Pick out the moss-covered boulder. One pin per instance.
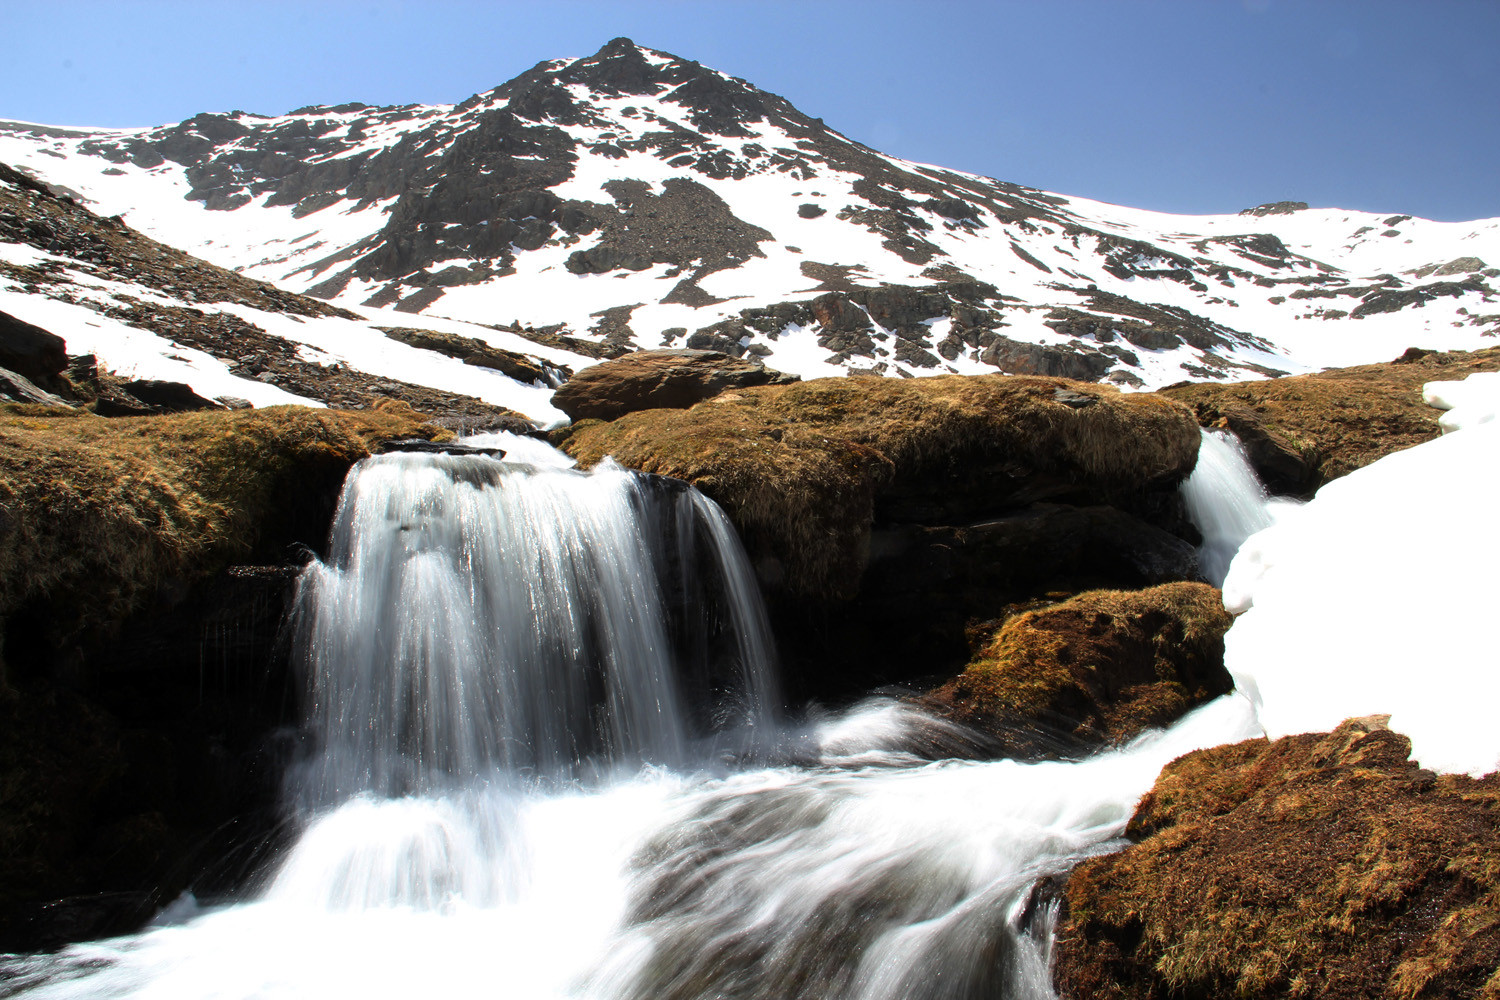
(804, 470)
(142, 675)
(1306, 430)
(97, 515)
(1320, 865)
(1097, 668)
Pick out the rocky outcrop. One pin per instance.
(153, 396)
(29, 351)
(646, 380)
(471, 351)
(1276, 208)
(882, 514)
(803, 468)
(32, 215)
(1096, 669)
(100, 514)
(1320, 865)
(142, 680)
(1304, 431)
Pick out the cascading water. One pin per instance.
(1226, 501)
(542, 772)
(478, 618)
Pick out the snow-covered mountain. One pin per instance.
(635, 199)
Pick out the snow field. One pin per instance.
(1379, 595)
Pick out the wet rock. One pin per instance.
(670, 378)
(424, 447)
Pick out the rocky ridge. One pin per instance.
(159, 310)
(638, 200)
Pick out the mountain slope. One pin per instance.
(145, 311)
(632, 198)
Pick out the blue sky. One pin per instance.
(1178, 105)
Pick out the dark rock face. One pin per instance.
(30, 351)
(1325, 865)
(1019, 358)
(17, 388)
(657, 379)
(686, 225)
(116, 794)
(168, 397)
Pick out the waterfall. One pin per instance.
(548, 763)
(478, 618)
(1225, 500)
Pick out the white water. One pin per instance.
(513, 798)
(1226, 502)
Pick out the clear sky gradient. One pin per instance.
(1181, 105)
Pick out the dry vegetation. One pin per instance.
(1320, 865)
(96, 513)
(1306, 430)
(799, 468)
(1100, 667)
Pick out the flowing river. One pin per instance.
(550, 761)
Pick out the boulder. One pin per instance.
(804, 469)
(31, 352)
(1020, 358)
(658, 379)
(16, 388)
(1303, 431)
(169, 397)
(1096, 669)
(1321, 865)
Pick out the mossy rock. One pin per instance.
(1096, 669)
(801, 468)
(1306, 430)
(1320, 865)
(97, 514)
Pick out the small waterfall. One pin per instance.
(476, 617)
(1225, 500)
(539, 698)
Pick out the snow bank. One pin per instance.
(1378, 596)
